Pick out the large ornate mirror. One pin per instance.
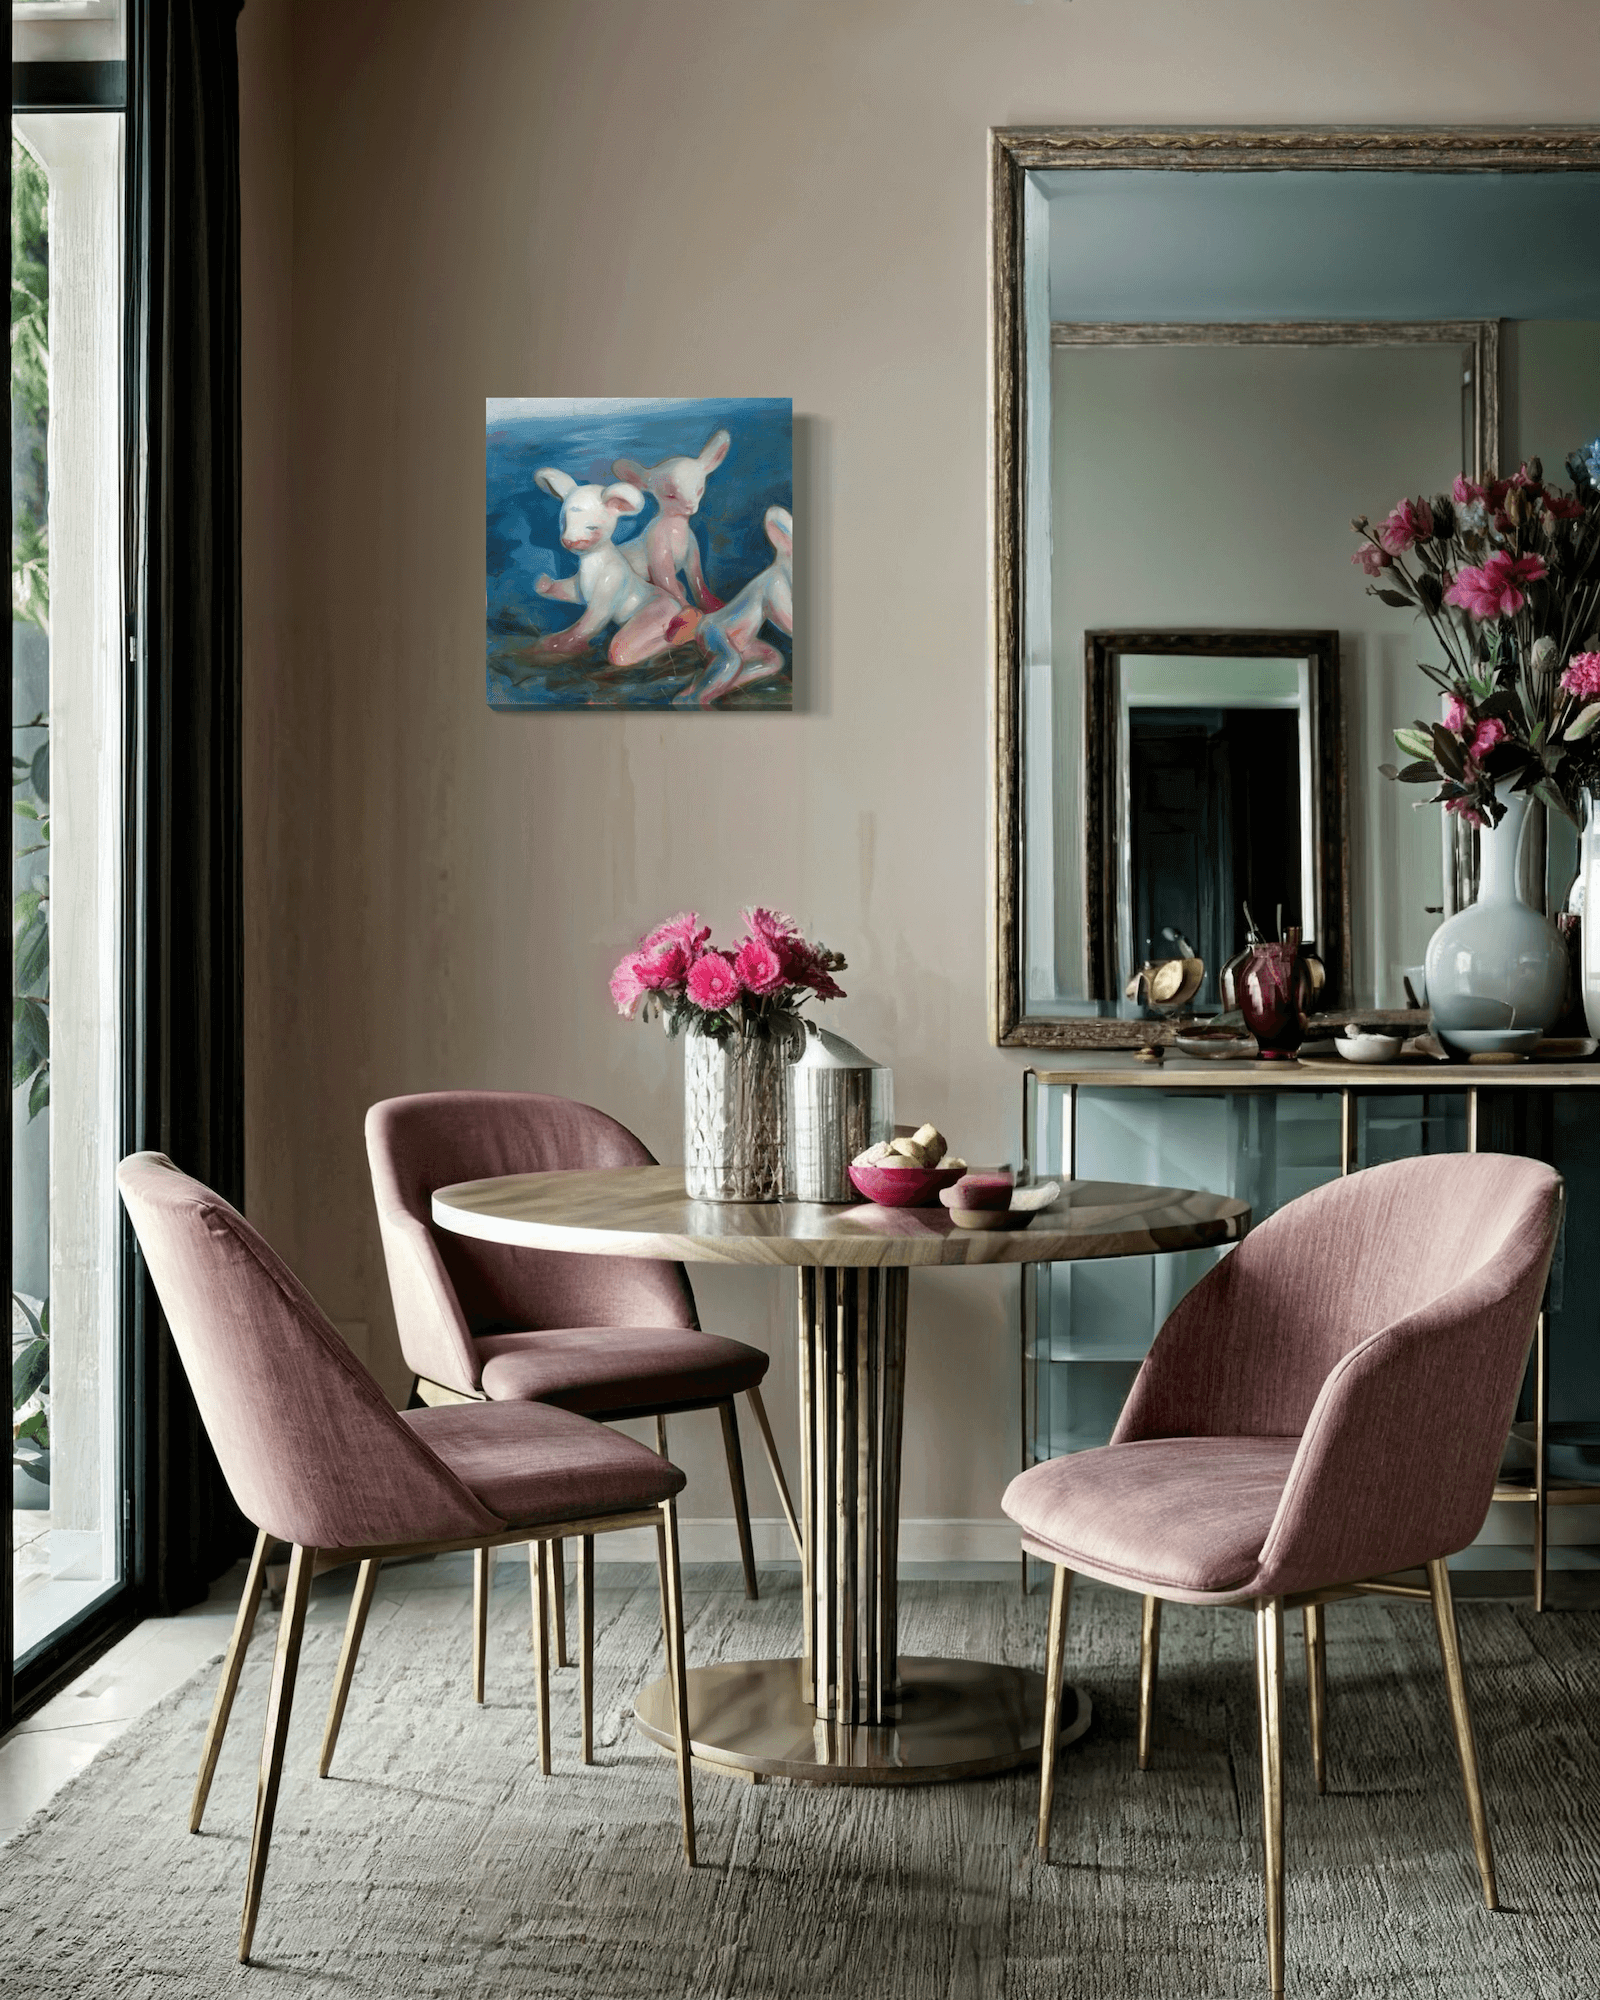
(1211, 351)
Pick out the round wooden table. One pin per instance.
(851, 1709)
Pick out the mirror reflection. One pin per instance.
(1210, 806)
(1216, 371)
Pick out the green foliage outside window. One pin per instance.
(30, 756)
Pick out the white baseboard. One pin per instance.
(715, 1539)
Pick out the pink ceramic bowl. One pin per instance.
(980, 1190)
(903, 1187)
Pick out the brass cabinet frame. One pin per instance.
(1016, 152)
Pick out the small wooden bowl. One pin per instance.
(903, 1187)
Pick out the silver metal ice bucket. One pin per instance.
(840, 1102)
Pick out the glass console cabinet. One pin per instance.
(1267, 1132)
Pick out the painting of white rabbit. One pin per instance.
(639, 552)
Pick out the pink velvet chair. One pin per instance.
(315, 1457)
(610, 1337)
(1328, 1406)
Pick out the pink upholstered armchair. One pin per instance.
(315, 1457)
(1327, 1407)
(611, 1337)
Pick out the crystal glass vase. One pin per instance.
(735, 1119)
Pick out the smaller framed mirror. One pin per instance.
(1215, 780)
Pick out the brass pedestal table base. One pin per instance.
(958, 1719)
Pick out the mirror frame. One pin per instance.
(1330, 834)
(1014, 153)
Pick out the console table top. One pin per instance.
(1121, 1071)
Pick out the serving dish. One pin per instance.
(903, 1187)
(1368, 1048)
(1217, 1048)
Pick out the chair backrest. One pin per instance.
(1385, 1320)
(448, 1288)
(1246, 1352)
(307, 1441)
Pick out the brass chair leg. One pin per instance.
(539, 1575)
(1060, 1600)
(661, 1560)
(1317, 1691)
(1444, 1616)
(243, 1625)
(355, 1625)
(482, 1578)
(558, 1597)
(741, 1499)
(586, 1643)
(1149, 1662)
(296, 1596)
(672, 1640)
(1269, 1688)
(775, 1466)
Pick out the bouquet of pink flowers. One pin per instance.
(1507, 574)
(752, 988)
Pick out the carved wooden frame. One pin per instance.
(1015, 152)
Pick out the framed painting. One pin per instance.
(639, 552)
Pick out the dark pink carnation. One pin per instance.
(658, 969)
(759, 967)
(1372, 560)
(1457, 716)
(1582, 677)
(713, 984)
(1497, 588)
(1464, 809)
(1467, 492)
(627, 988)
(1488, 734)
(805, 966)
(1562, 507)
(1409, 523)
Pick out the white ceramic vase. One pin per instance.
(1497, 966)
(1589, 919)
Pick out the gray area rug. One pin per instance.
(436, 1861)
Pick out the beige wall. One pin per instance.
(717, 197)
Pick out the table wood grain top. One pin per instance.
(644, 1212)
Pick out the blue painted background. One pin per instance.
(524, 535)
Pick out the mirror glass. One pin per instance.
(1207, 804)
(1218, 370)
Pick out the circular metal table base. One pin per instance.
(958, 1719)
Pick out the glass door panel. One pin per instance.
(66, 769)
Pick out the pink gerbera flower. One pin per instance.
(684, 929)
(1497, 588)
(759, 967)
(772, 925)
(1582, 677)
(627, 988)
(713, 983)
(659, 969)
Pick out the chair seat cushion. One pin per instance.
(530, 1463)
(611, 1371)
(1186, 1514)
